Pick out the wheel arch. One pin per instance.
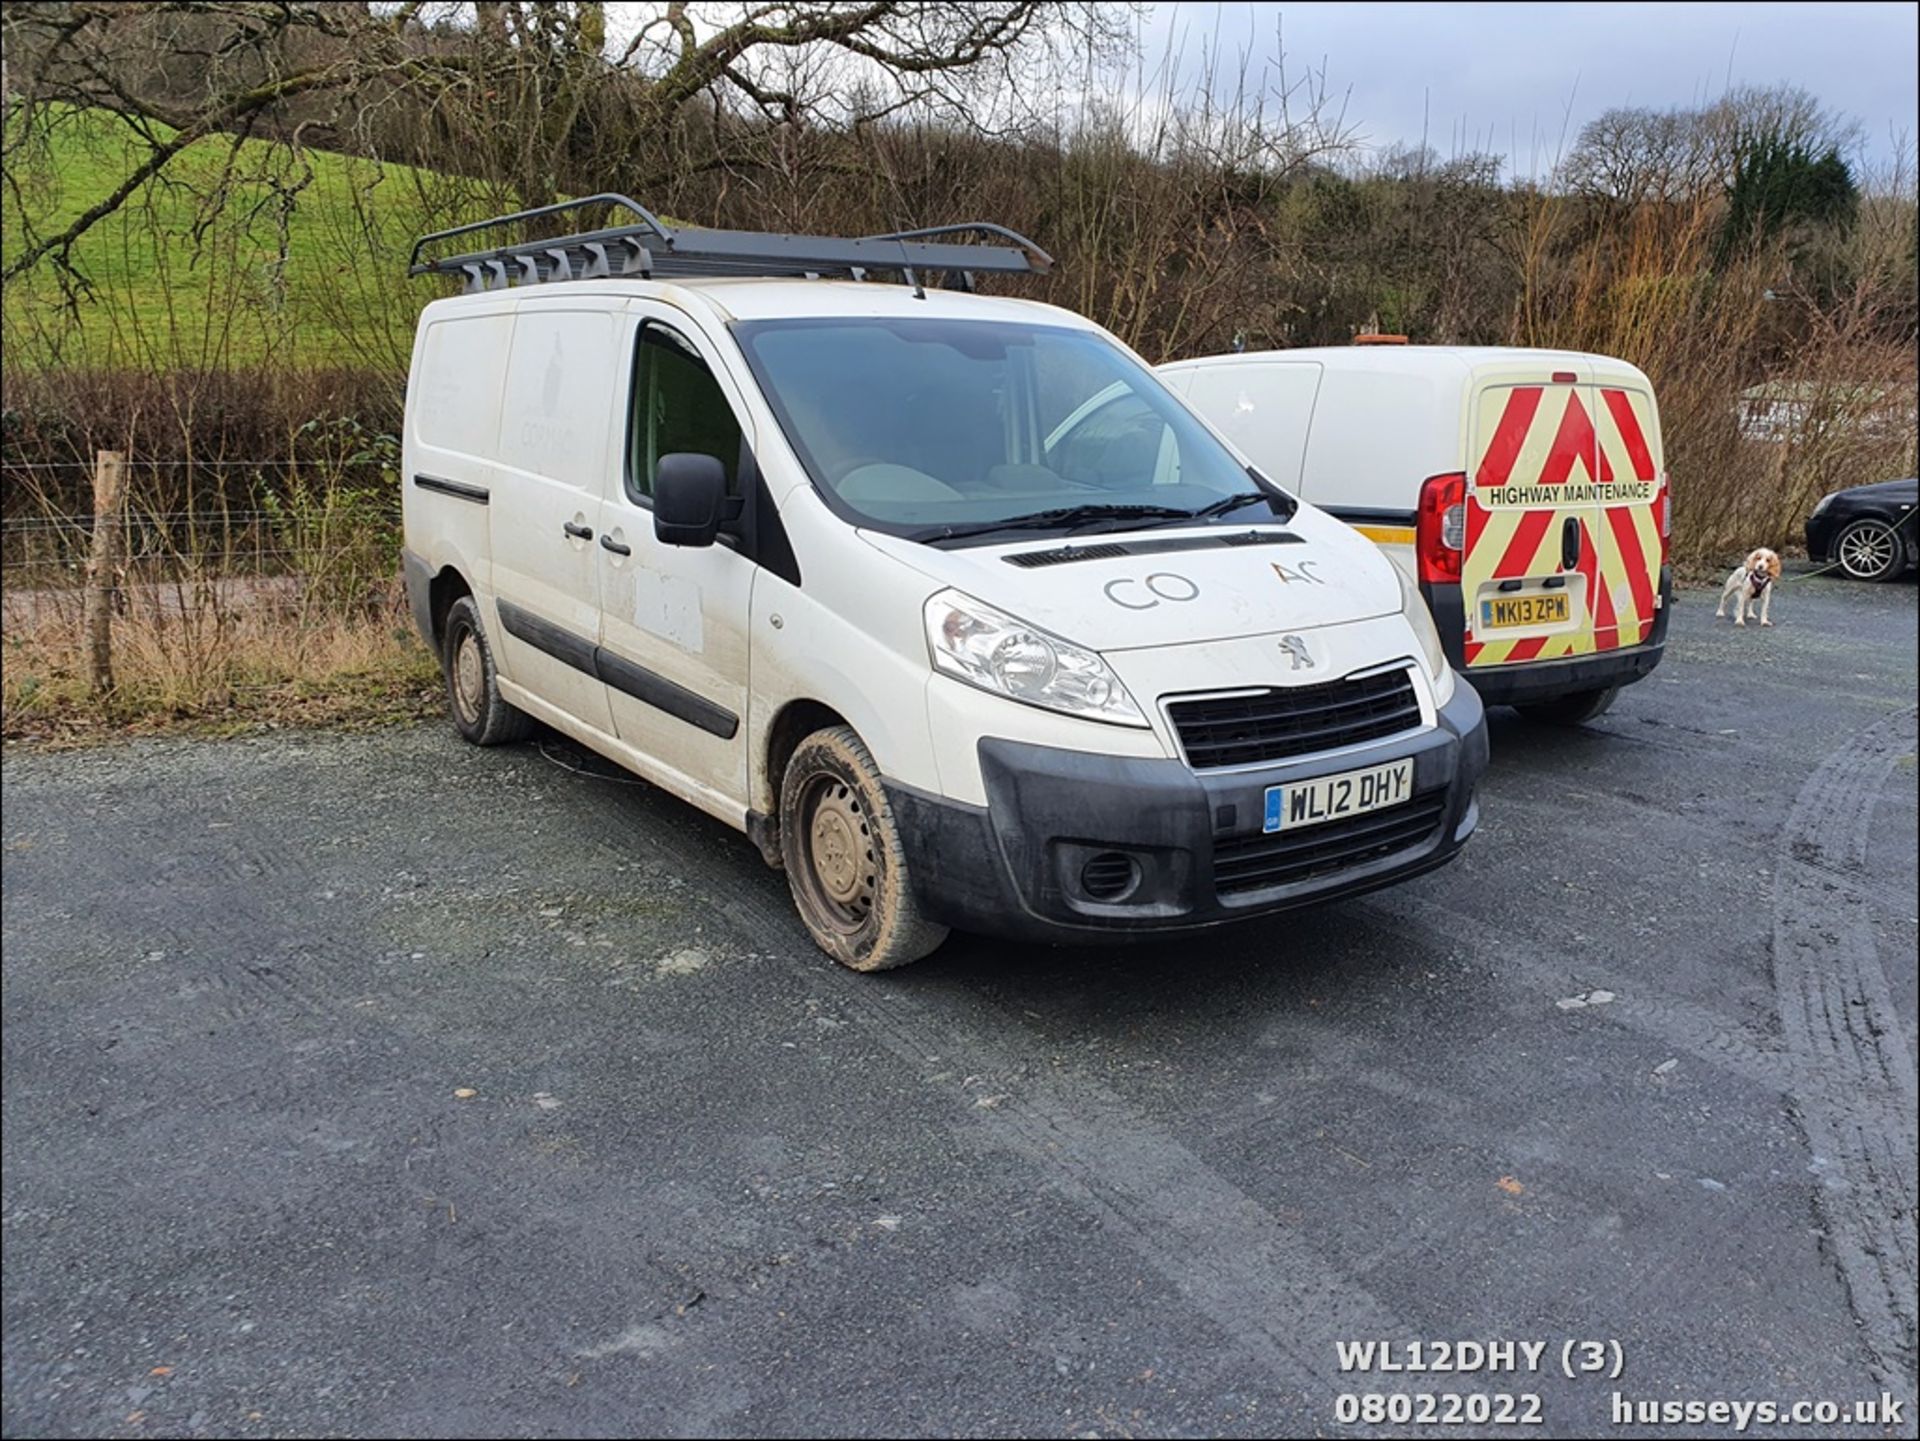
(447, 586)
(792, 723)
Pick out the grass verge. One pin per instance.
(214, 673)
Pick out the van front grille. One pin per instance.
(1253, 863)
(1287, 721)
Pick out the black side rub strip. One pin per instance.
(1370, 515)
(623, 675)
(459, 490)
(662, 694)
(557, 641)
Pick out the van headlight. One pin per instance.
(988, 648)
(1413, 605)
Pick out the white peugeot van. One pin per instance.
(943, 599)
(1524, 489)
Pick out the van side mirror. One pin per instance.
(689, 498)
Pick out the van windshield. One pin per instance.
(948, 430)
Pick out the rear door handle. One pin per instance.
(1570, 543)
(607, 542)
(578, 532)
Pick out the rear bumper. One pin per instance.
(1548, 679)
(419, 595)
(1014, 866)
(1820, 532)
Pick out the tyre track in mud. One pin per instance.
(1840, 1023)
(1261, 1282)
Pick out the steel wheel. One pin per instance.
(1869, 550)
(469, 678)
(845, 861)
(480, 713)
(840, 851)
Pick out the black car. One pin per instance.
(1867, 531)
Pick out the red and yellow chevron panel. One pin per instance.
(1547, 462)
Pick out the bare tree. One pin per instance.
(534, 96)
(1631, 154)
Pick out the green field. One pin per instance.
(237, 255)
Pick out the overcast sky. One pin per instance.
(1506, 78)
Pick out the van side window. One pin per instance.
(677, 406)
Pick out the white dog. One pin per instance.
(1753, 581)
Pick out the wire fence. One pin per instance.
(278, 462)
(327, 518)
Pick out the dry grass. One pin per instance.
(1640, 285)
(285, 613)
(210, 669)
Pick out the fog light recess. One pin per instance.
(1109, 876)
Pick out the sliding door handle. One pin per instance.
(578, 532)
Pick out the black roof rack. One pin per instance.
(652, 249)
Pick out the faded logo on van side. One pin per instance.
(553, 385)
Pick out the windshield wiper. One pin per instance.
(1281, 506)
(1063, 517)
(1238, 499)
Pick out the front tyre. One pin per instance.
(1870, 550)
(844, 859)
(1571, 710)
(473, 686)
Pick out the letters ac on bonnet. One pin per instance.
(944, 599)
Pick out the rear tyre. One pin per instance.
(1571, 710)
(844, 859)
(1871, 550)
(473, 686)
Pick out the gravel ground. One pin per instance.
(377, 1085)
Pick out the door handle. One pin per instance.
(1570, 543)
(578, 532)
(607, 542)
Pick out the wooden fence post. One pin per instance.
(103, 566)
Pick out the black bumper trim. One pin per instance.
(419, 581)
(1012, 867)
(1544, 680)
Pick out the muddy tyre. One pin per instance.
(844, 860)
(1571, 710)
(473, 686)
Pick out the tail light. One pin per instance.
(1440, 528)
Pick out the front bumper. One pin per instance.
(1547, 680)
(1015, 866)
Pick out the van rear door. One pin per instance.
(1533, 566)
(1631, 551)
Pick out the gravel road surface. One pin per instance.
(376, 1084)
